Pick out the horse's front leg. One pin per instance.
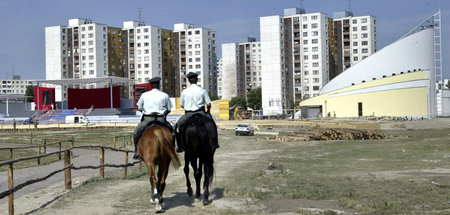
(186, 173)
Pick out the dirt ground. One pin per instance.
(104, 200)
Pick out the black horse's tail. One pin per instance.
(205, 133)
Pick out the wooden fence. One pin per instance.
(68, 165)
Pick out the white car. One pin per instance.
(244, 129)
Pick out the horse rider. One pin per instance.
(193, 100)
(154, 105)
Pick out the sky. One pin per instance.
(22, 35)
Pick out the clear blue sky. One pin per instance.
(22, 39)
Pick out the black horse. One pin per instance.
(199, 138)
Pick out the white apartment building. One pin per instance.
(197, 53)
(219, 78)
(358, 37)
(241, 68)
(294, 58)
(14, 86)
(79, 50)
(144, 51)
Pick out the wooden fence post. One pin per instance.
(59, 148)
(102, 161)
(39, 153)
(31, 137)
(10, 186)
(126, 162)
(10, 153)
(67, 172)
(115, 142)
(45, 146)
(124, 142)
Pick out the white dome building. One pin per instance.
(398, 80)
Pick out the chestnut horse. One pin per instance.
(199, 138)
(155, 148)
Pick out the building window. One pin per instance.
(355, 58)
(315, 49)
(315, 72)
(90, 28)
(364, 35)
(355, 51)
(91, 72)
(305, 34)
(314, 25)
(364, 51)
(355, 43)
(314, 41)
(197, 59)
(305, 26)
(364, 20)
(314, 17)
(355, 36)
(305, 18)
(355, 28)
(315, 64)
(197, 32)
(305, 57)
(355, 21)
(364, 43)
(315, 88)
(315, 33)
(315, 57)
(363, 28)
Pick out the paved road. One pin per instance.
(81, 157)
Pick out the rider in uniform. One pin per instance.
(154, 105)
(193, 100)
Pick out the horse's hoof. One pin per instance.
(189, 192)
(160, 211)
(206, 202)
(153, 201)
(198, 195)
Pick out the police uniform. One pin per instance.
(154, 105)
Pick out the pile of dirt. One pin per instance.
(329, 134)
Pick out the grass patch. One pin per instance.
(347, 172)
(5, 155)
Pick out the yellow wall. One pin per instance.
(224, 109)
(401, 102)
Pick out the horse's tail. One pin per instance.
(166, 146)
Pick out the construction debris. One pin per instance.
(329, 134)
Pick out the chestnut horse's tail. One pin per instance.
(163, 136)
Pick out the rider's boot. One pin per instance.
(179, 149)
(135, 139)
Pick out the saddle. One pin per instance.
(155, 122)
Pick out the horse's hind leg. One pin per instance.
(208, 175)
(186, 173)
(155, 198)
(198, 176)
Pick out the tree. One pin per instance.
(30, 92)
(238, 100)
(213, 97)
(254, 99)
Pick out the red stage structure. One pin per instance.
(44, 97)
(99, 98)
(138, 90)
